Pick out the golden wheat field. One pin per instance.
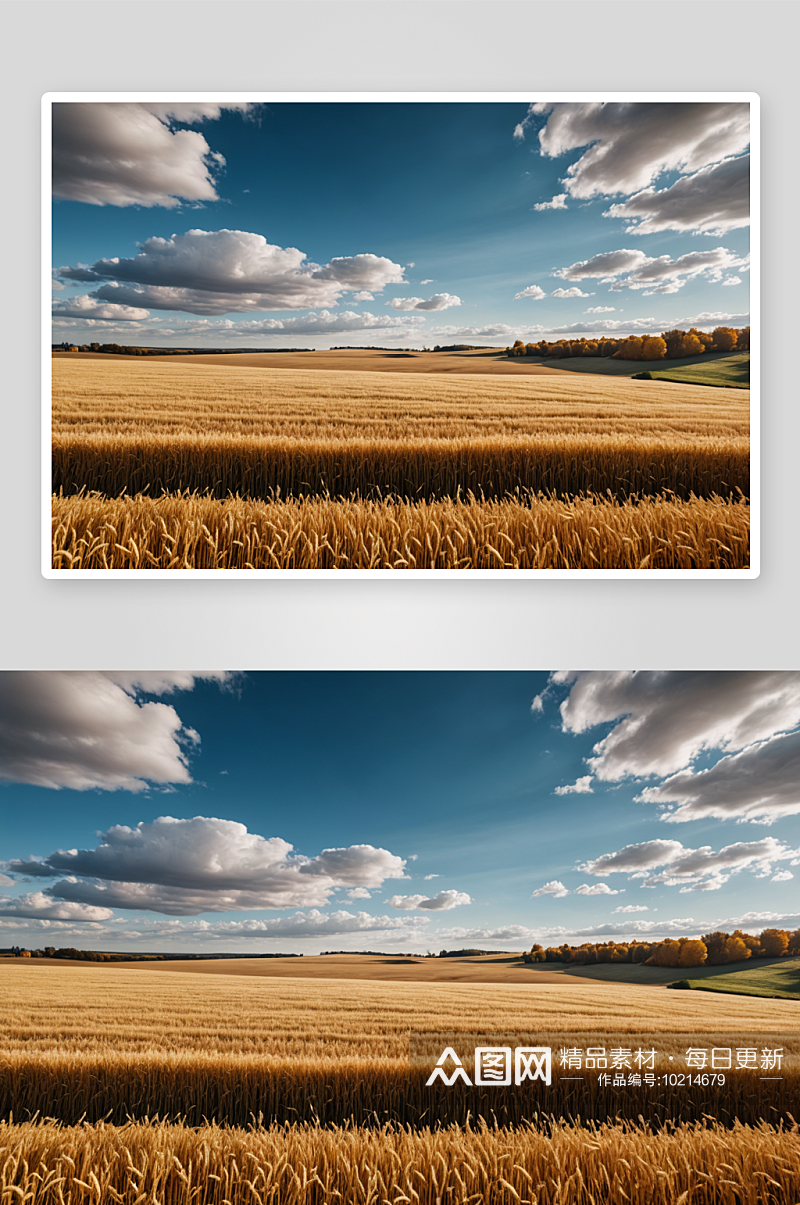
(152, 1163)
(162, 1089)
(365, 470)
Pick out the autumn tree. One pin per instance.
(692, 954)
(725, 338)
(774, 942)
(654, 348)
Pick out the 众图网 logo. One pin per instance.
(494, 1066)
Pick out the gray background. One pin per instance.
(398, 45)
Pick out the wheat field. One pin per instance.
(366, 470)
(112, 1042)
(150, 1088)
(198, 532)
(152, 1163)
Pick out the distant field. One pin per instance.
(345, 470)
(780, 979)
(731, 372)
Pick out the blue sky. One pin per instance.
(400, 811)
(396, 224)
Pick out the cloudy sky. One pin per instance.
(395, 811)
(396, 224)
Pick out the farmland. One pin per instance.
(217, 1087)
(168, 464)
(781, 979)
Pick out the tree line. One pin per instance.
(669, 345)
(713, 949)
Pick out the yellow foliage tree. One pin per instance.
(654, 348)
(692, 954)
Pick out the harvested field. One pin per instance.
(366, 470)
(194, 532)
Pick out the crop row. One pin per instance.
(266, 467)
(196, 532)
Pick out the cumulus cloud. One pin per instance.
(663, 720)
(595, 889)
(731, 280)
(558, 202)
(131, 154)
(312, 923)
(93, 730)
(760, 784)
(325, 323)
(630, 144)
(583, 786)
(85, 306)
(359, 893)
(204, 864)
(632, 269)
(497, 331)
(442, 902)
(600, 309)
(439, 301)
(782, 876)
(37, 905)
(573, 292)
(713, 200)
(631, 908)
(222, 271)
(671, 864)
(432, 876)
(554, 887)
(533, 291)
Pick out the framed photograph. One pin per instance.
(414, 334)
(535, 925)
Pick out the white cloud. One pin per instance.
(671, 864)
(760, 784)
(713, 200)
(630, 144)
(442, 902)
(782, 876)
(129, 154)
(432, 876)
(363, 296)
(595, 889)
(39, 906)
(326, 323)
(498, 331)
(222, 271)
(632, 269)
(600, 309)
(732, 280)
(205, 864)
(92, 730)
(439, 301)
(583, 786)
(359, 893)
(663, 720)
(533, 291)
(312, 923)
(625, 908)
(85, 306)
(554, 887)
(573, 292)
(558, 202)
